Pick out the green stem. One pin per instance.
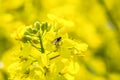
(54, 57)
(41, 44)
(34, 45)
(109, 14)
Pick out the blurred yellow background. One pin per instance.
(95, 22)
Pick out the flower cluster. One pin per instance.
(47, 54)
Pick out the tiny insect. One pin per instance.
(57, 40)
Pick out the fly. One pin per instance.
(57, 40)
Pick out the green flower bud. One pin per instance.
(35, 40)
(26, 33)
(34, 31)
(48, 28)
(26, 38)
(29, 30)
(44, 26)
(37, 25)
